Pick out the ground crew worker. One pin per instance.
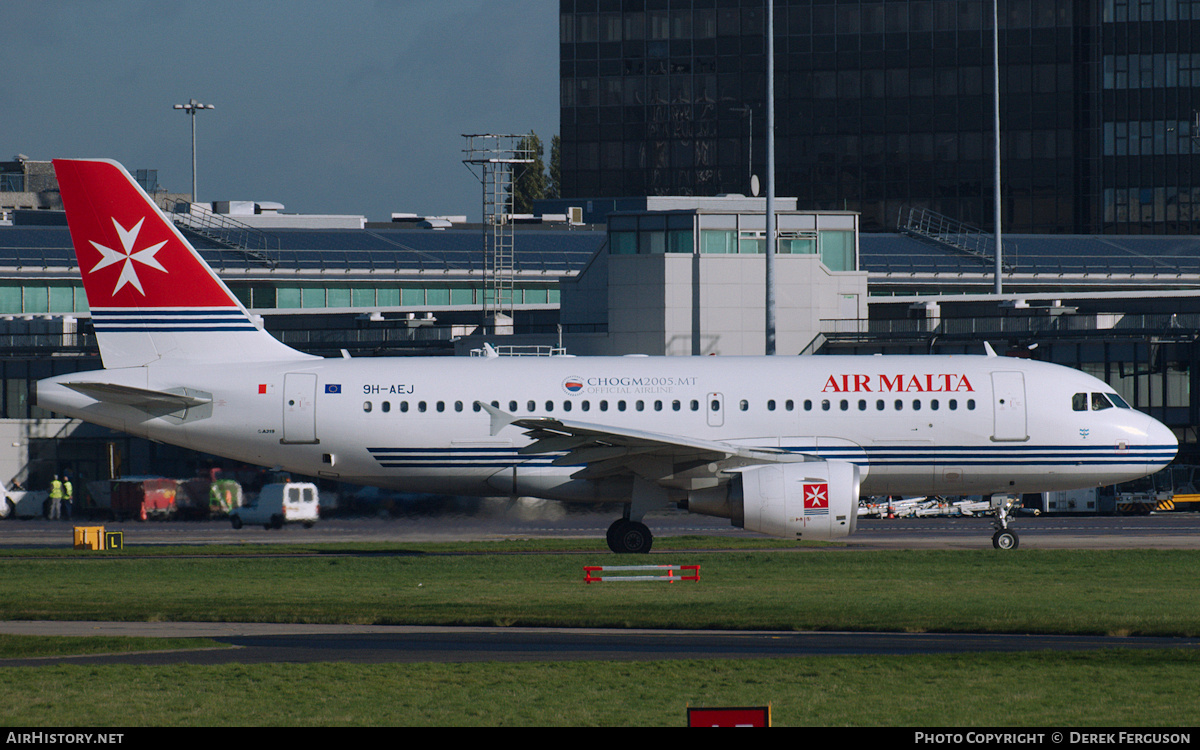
(56, 498)
(68, 497)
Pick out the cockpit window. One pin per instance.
(1097, 401)
(1100, 402)
(1119, 401)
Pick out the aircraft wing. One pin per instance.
(142, 398)
(603, 450)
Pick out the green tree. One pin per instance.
(530, 183)
(554, 184)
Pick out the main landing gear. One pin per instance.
(629, 537)
(1005, 538)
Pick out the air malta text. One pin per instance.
(945, 382)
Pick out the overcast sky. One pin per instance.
(354, 106)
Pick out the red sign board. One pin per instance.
(759, 716)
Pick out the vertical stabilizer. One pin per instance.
(152, 297)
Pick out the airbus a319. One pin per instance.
(779, 445)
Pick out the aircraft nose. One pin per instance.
(1163, 440)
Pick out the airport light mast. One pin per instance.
(770, 259)
(191, 108)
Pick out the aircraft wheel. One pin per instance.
(1005, 539)
(611, 535)
(236, 521)
(630, 537)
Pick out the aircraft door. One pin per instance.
(1008, 404)
(300, 408)
(715, 406)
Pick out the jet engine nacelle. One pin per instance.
(811, 500)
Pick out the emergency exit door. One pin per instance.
(716, 410)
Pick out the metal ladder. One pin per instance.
(949, 233)
(225, 232)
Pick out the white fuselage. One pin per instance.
(949, 425)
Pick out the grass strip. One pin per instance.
(1124, 592)
(1119, 688)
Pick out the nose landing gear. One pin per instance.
(1005, 538)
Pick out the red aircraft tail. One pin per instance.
(152, 297)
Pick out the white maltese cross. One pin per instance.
(127, 256)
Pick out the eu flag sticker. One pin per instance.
(333, 387)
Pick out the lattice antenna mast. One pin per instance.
(493, 159)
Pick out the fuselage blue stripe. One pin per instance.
(906, 457)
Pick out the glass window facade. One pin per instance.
(727, 234)
(883, 105)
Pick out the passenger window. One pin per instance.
(743, 404)
(658, 406)
(862, 404)
(603, 404)
(675, 405)
(916, 405)
(441, 406)
(789, 405)
(549, 406)
(641, 405)
(1079, 402)
(695, 405)
(620, 406)
(586, 405)
(531, 406)
(844, 404)
(899, 405)
(715, 405)
(807, 405)
(566, 406)
(458, 406)
(953, 404)
(970, 404)
(512, 406)
(825, 404)
(386, 406)
(933, 404)
(421, 406)
(879, 405)
(404, 407)
(771, 404)
(366, 406)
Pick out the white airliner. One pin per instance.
(780, 445)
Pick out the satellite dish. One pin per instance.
(754, 185)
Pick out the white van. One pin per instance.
(277, 504)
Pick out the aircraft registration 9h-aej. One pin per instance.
(779, 445)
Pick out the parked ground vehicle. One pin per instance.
(23, 504)
(277, 504)
(143, 497)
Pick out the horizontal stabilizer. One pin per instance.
(142, 398)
